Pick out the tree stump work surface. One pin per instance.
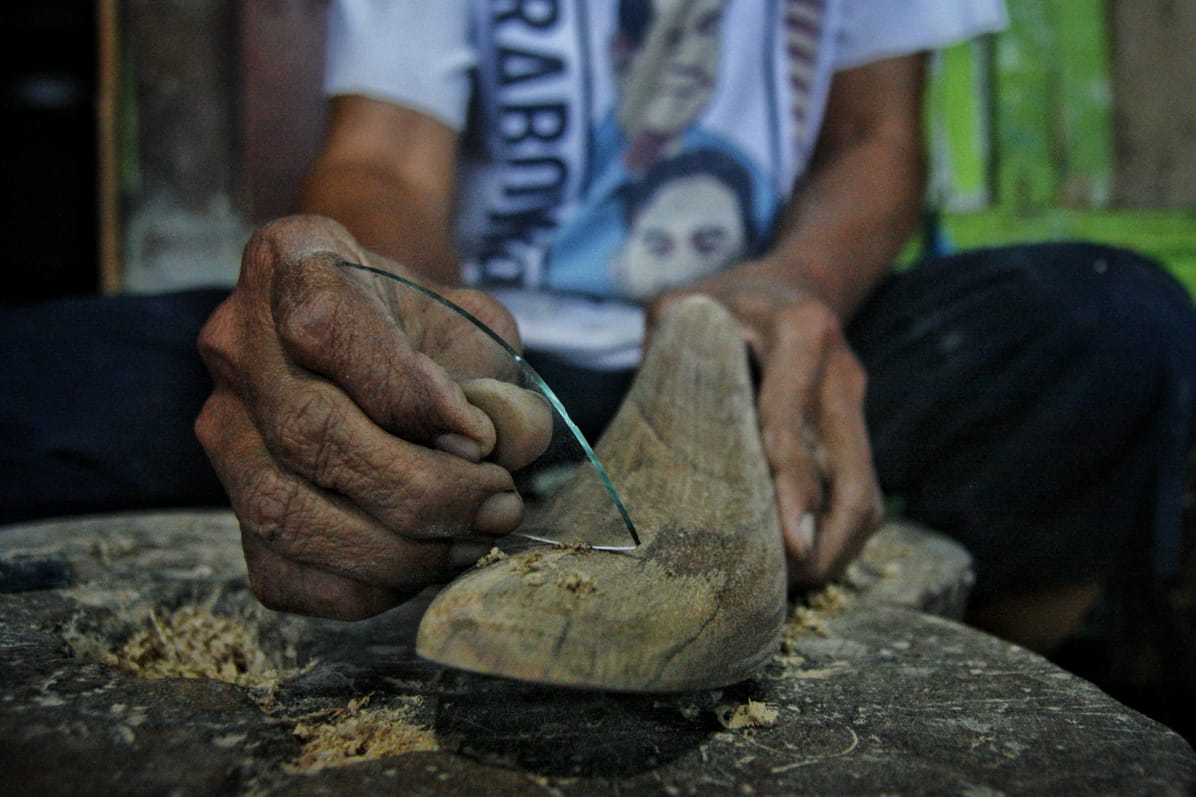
(867, 693)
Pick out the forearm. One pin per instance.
(385, 216)
(843, 230)
(388, 174)
(862, 197)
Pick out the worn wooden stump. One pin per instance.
(870, 697)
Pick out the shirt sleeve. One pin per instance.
(414, 53)
(872, 30)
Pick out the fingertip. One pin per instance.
(799, 537)
(522, 420)
(499, 514)
(798, 525)
(472, 434)
(466, 553)
(459, 446)
(481, 427)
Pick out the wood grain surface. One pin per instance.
(701, 602)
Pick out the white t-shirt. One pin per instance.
(616, 149)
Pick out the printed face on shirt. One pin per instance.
(689, 229)
(669, 77)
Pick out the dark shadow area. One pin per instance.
(1139, 645)
(48, 77)
(574, 733)
(1140, 648)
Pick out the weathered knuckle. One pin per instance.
(263, 257)
(213, 335)
(418, 397)
(262, 243)
(428, 505)
(309, 318)
(215, 428)
(421, 509)
(489, 312)
(207, 426)
(304, 432)
(274, 236)
(269, 507)
(217, 341)
(808, 321)
(385, 480)
(284, 248)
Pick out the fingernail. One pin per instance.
(499, 514)
(459, 446)
(803, 535)
(466, 553)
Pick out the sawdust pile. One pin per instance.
(813, 614)
(496, 555)
(193, 642)
(360, 733)
(752, 714)
(575, 546)
(527, 564)
(535, 569)
(190, 642)
(577, 582)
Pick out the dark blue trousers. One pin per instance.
(1038, 404)
(97, 401)
(1035, 402)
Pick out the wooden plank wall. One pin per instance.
(181, 193)
(211, 112)
(1154, 80)
(1078, 121)
(1084, 104)
(1039, 100)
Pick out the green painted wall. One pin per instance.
(1021, 139)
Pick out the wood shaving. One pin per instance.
(577, 582)
(752, 714)
(495, 555)
(831, 600)
(360, 733)
(191, 642)
(813, 615)
(534, 578)
(527, 563)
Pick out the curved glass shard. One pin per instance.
(494, 376)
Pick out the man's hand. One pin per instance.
(342, 426)
(811, 417)
(848, 218)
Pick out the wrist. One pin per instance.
(798, 278)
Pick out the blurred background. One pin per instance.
(149, 137)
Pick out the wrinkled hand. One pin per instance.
(359, 435)
(811, 417)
